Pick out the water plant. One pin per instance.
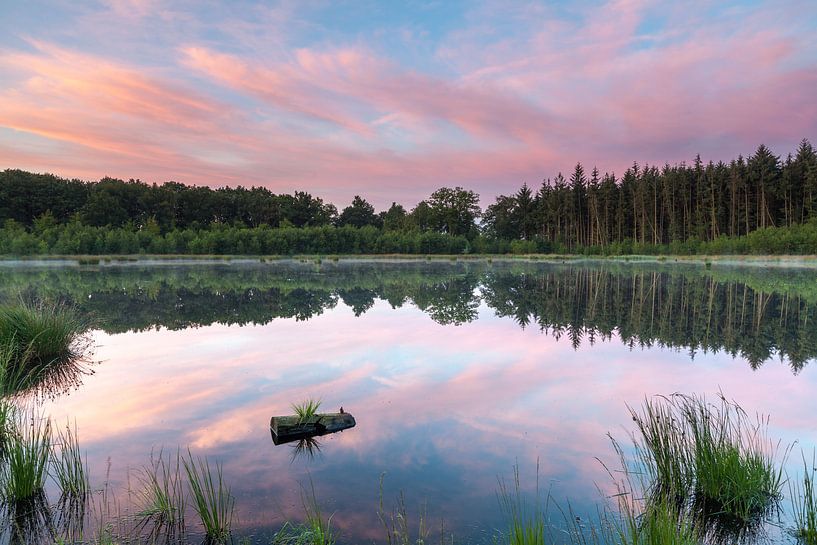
(69, 469)
(661, 523)
(27, 456)
(41, 333)
(317, 529)
(163, 495)
(41, 344)
(711, 458)
(527, 524)
(397, 522)
(306, 409)
(803, 497)
(211, 497)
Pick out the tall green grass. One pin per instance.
(163, 497)
(27, 458)
(318, 528)
(527, 523)
(41, 333)
(40, 341)
(211, 497)
(661, 523)
(69, 469)
(8, 415)
(710, 457)
(803, 497)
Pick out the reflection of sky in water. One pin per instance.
(443, 410)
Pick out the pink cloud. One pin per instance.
(489, 110)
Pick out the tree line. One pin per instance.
(712, 207)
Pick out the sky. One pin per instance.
(391, 100)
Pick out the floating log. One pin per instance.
(291, 428)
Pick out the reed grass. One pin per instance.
(211, 497)
(397, 522)
(163, 495)
(41, 333)
(660, 524)
(527, 523)
(40, 342)
(68, 467)
(27, 457)
(803, 497)
(8, 415)
(736, 473)
(709, 457)
(317, 529)
(662, 449)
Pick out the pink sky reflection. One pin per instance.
(442, 409)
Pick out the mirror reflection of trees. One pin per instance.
(755, 313)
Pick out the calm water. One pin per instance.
(455, 371)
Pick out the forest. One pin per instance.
(759, 204)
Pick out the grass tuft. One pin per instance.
(212, 499)
(69, 469)
(163, 495)
(526, 523)
(26, 459)
(711, 458)
(397, 522)
(40, 342)
(306, 409)
(803, 496)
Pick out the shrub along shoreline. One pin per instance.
(75, 238)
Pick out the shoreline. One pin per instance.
(786, 261)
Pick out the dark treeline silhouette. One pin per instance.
(652, 205)
(753, 205)
(753, 316)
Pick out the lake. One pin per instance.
(456, 372)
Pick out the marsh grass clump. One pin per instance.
(306, 409)
(660, 523)
(709, 458)
(211, 497)
(41, 333)
(527, 523)
(662, 449)
(803, 497)
(317, 528)
(27, 457)
(40, 343)
(8, 413)
(163, 495)
(69, 469)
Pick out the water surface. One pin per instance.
(455, 371)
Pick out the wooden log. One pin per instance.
(291, 428)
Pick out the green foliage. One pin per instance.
(306, 409)
(660, 524)
(803, 496)
(211, 496)
(69, 469)
(163, 494)
(40, 345)
(27, 457)
(527, 524)
(709, 456)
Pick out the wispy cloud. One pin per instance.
(289, 97)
